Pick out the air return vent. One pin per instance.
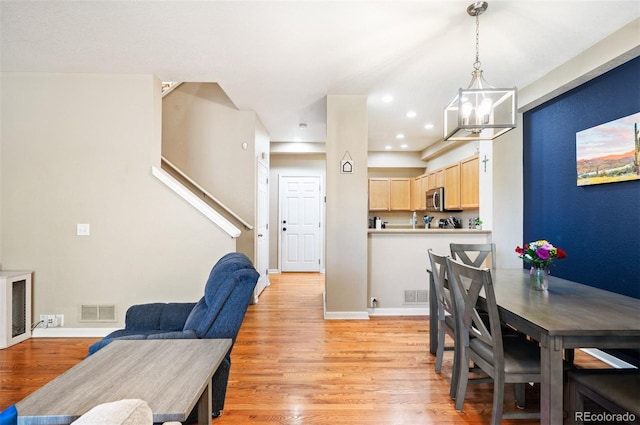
(97, 313)
(416, 296)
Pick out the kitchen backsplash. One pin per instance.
(402, 219)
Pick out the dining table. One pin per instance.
(565, 316)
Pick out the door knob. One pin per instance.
(284, 229)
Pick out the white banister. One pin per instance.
(196, 202)
(246, 225)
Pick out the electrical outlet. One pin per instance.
(372, 302)
(51, 320)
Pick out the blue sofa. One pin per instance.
(218, 314)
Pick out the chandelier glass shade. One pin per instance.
(481, 111)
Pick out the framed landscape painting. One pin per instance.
(609, 152)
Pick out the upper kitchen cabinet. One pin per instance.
(390, 194)
(419, 186)
(378, 194)
(452, 187)
(400, 194)
(469, 183)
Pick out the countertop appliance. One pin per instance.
(376, 223)
(435, 200)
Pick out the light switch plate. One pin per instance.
(83, 230)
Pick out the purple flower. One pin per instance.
(542, 253)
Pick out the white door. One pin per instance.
(262, 230)
(300, 224)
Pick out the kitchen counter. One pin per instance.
(398, 261)
(396, 230)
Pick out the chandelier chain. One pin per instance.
(477, 64)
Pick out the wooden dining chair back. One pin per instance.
(505, 360)
(446, 317)
(477, 255)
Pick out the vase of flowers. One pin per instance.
(540, 254)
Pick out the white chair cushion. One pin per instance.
(121, 412)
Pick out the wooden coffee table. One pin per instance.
(173, 376)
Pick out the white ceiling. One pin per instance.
(281, 58)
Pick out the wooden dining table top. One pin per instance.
(566, 308)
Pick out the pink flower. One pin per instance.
(542, 253)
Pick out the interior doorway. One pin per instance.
(300, 223)
(262, 229)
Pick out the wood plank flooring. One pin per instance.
(290, 366)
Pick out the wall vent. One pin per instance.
(416, 296)
(97, 313)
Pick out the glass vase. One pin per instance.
(539, 278)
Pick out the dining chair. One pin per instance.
(446, 317)
(474, 254)
(505, 360)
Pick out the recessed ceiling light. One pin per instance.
(387, 98)
(404, 146)
(411, 114)
(428, 126)
(399, 136)
(388, 147)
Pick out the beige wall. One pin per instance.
(203, 134)
(346, 208)
(79, 149)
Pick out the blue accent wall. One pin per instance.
(599, 225)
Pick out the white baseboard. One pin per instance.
(607, 358)
(71, 332)
(414, 311)
(274, 271)
(346, 315)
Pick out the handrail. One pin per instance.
(170, 87)
(196, 202)
(206, 194)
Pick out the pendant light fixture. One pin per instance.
(481, 111)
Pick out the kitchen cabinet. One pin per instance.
(390, 194)
(452, 187)
(431, 180)
(424, 186)
(378, 194)
(469, 183)
(439, 178)
(400, 194)
(415, 194)
(418, 189)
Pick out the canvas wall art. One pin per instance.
(609, 152)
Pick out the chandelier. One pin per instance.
(481, 111)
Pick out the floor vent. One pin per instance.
(416, 296)
(97, 313)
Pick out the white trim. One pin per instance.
(196, 202)
(607, 358)
(206, 193)
(71, 332)
(274, 271)
(346, 315)
(414, 311)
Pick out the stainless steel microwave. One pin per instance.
(435, 200)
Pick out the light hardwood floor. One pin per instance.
(290, 366)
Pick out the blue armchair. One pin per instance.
(218, 314)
